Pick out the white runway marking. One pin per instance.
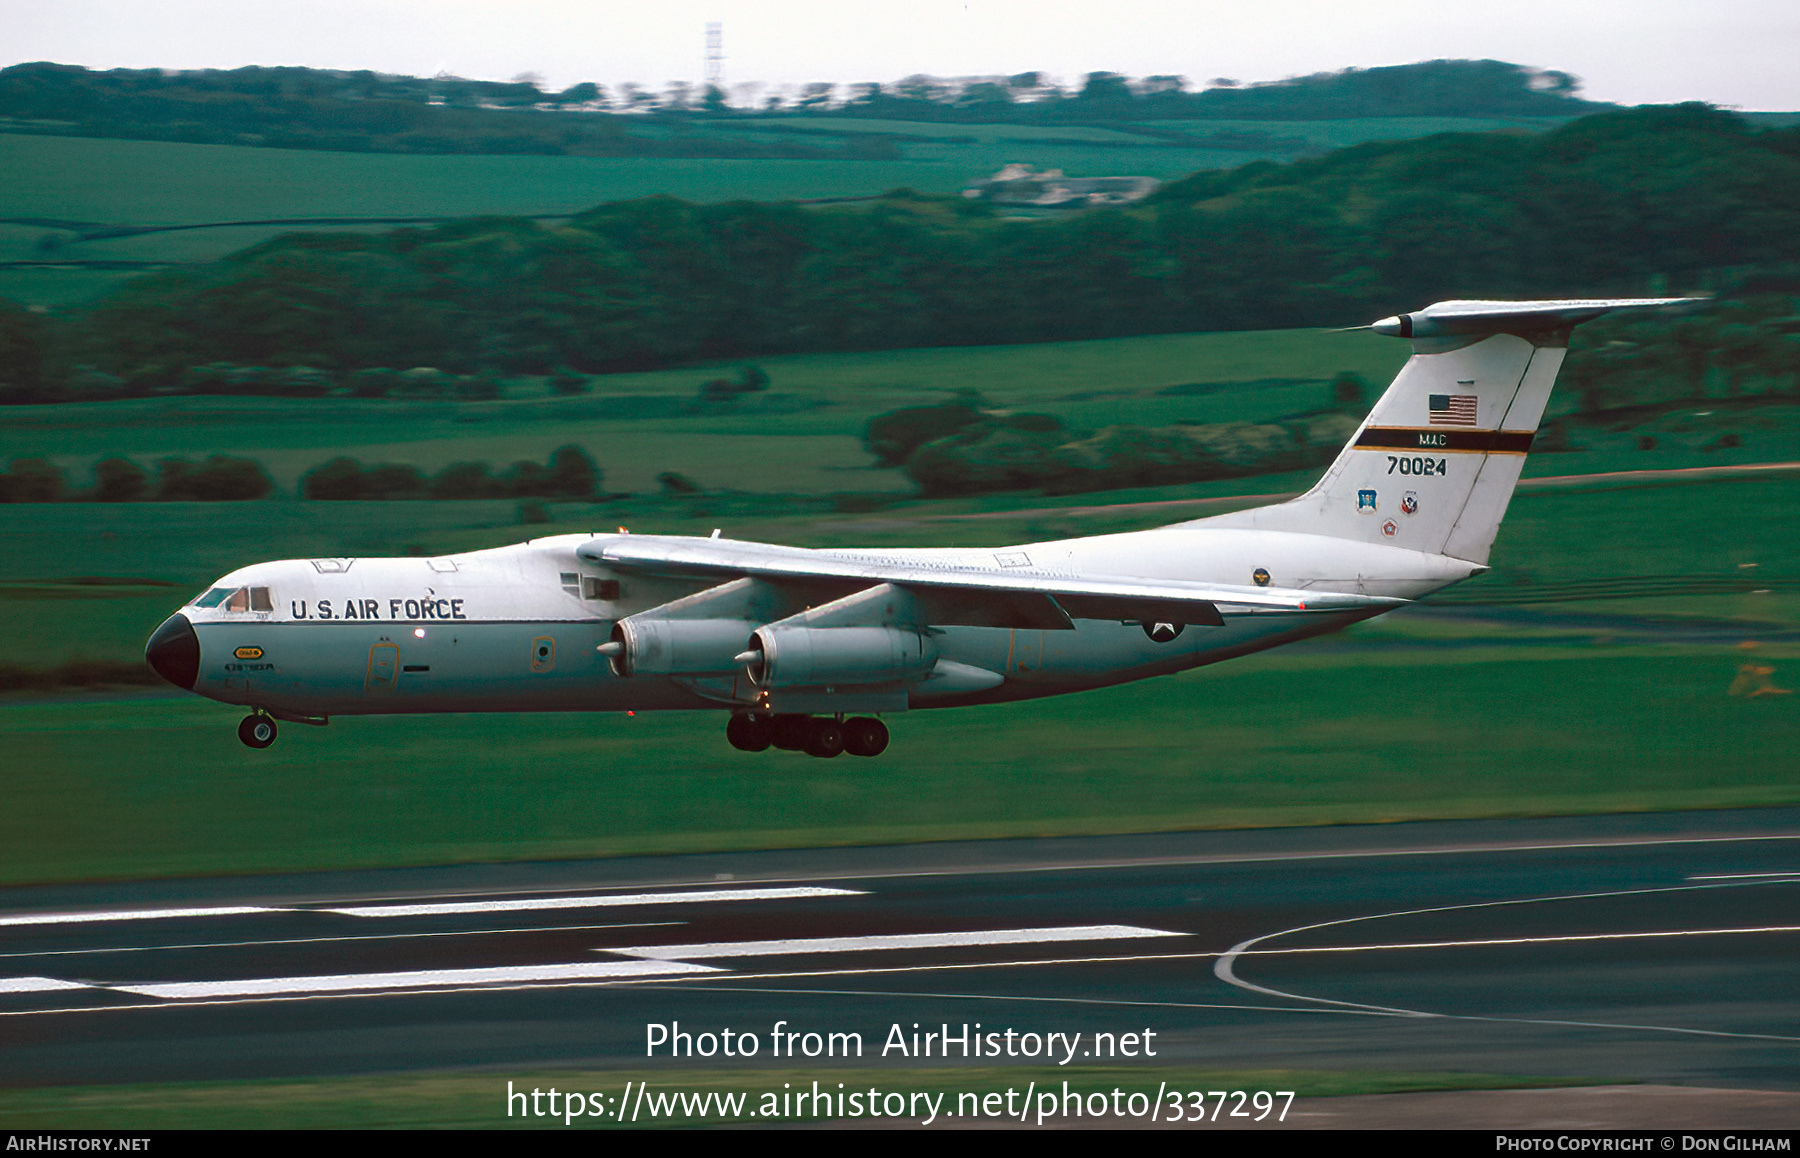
(664, 977)
(1281, 857)
(347, 982)
(596, 901)
(892, 941)
(1745, 876)
(1363, 1011)
(1520, 940)
(134, 915)
(336, 940)
(1224, 969)
(36, 985)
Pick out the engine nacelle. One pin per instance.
(651, 646)
(795, 657)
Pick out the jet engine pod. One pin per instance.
(645, 645)
(791, 657)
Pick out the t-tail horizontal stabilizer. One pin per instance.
(1434, 465)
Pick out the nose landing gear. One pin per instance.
(821, 736)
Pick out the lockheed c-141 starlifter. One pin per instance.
(805, 649)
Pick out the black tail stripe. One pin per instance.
(1441, 438)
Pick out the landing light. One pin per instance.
(418, 633)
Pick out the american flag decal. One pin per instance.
(1452, 409)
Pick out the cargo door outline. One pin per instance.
(384, 668)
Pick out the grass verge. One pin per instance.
(150, 786)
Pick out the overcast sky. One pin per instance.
(1744, 53)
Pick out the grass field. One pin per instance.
(804, 437)
(157, 785)
(159, 183)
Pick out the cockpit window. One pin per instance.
(237, 599)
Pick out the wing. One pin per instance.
(961, 595)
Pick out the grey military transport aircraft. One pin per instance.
(803, 649)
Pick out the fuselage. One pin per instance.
(519, 628)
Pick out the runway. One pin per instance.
(1647, 948)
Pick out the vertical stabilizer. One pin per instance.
(1434, 465)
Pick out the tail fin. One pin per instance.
(1433, 466)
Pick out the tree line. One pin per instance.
(302, 108)
(1436, 88)
(1745, 346)
(569, 474)
(305, 108)
(963, 446)
(219, 478)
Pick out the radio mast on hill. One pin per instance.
(715, 55)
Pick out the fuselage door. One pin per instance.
(384, 667)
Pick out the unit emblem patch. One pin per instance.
(1365, 501)
(1260, 576)
(1390, 528)
(1410, 504)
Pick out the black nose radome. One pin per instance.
(174, 651)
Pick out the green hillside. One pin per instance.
(63, 190)
(91, 153)
(1661, 199)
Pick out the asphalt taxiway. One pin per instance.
(1654, 948)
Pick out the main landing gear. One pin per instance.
(822, 736)
(258, 731)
